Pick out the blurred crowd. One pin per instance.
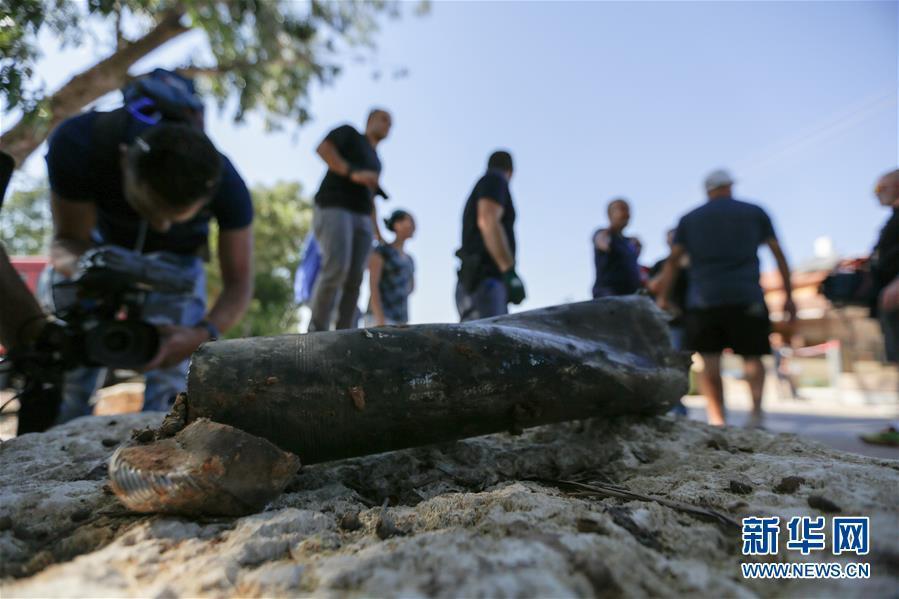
(709, 283)
(146, 177)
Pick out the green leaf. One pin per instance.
(266, 52)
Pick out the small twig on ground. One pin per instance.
(607, 490)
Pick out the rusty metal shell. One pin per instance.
(207, 468)
(333, 395)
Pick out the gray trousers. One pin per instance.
(345, 239)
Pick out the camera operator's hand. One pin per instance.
(177, 343)
(64, 257)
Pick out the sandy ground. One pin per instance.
(835, 417)
(836, 426)
(482, 517)
(837, 432)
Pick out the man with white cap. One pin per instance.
(725, 303)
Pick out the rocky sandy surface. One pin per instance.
(483, 517)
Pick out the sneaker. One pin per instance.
(888, 436)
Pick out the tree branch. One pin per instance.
(192, 70)
(106, 76)
(120, 40)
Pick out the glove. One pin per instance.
(514, 286)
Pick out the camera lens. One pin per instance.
(122, 343)
(117, 340)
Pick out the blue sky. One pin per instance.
(597, 100)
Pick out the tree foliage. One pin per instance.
(282, 219)
(26, 226)
(267, 53)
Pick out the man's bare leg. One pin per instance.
(755, 375)
(712, 388)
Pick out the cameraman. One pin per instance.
(119, 179)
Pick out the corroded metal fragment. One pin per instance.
(206, 468)
(340, 394)
(327, 396)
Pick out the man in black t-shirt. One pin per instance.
(487, 277)
(345, 219)
(152, 186)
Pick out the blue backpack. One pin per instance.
(160, 96)
(163, 95)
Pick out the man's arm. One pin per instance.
(489, 214)
(235, 252)
(21, 318)
(375, 266)
(375, 226)
(73, 223)
(337, 164)
(655, 280)
(328, 152)
(662, 284)
(602, 240)
(784, 268)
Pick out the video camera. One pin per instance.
(101, 307)
(850, 283)
(98, 321)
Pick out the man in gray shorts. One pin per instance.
(345, 219)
